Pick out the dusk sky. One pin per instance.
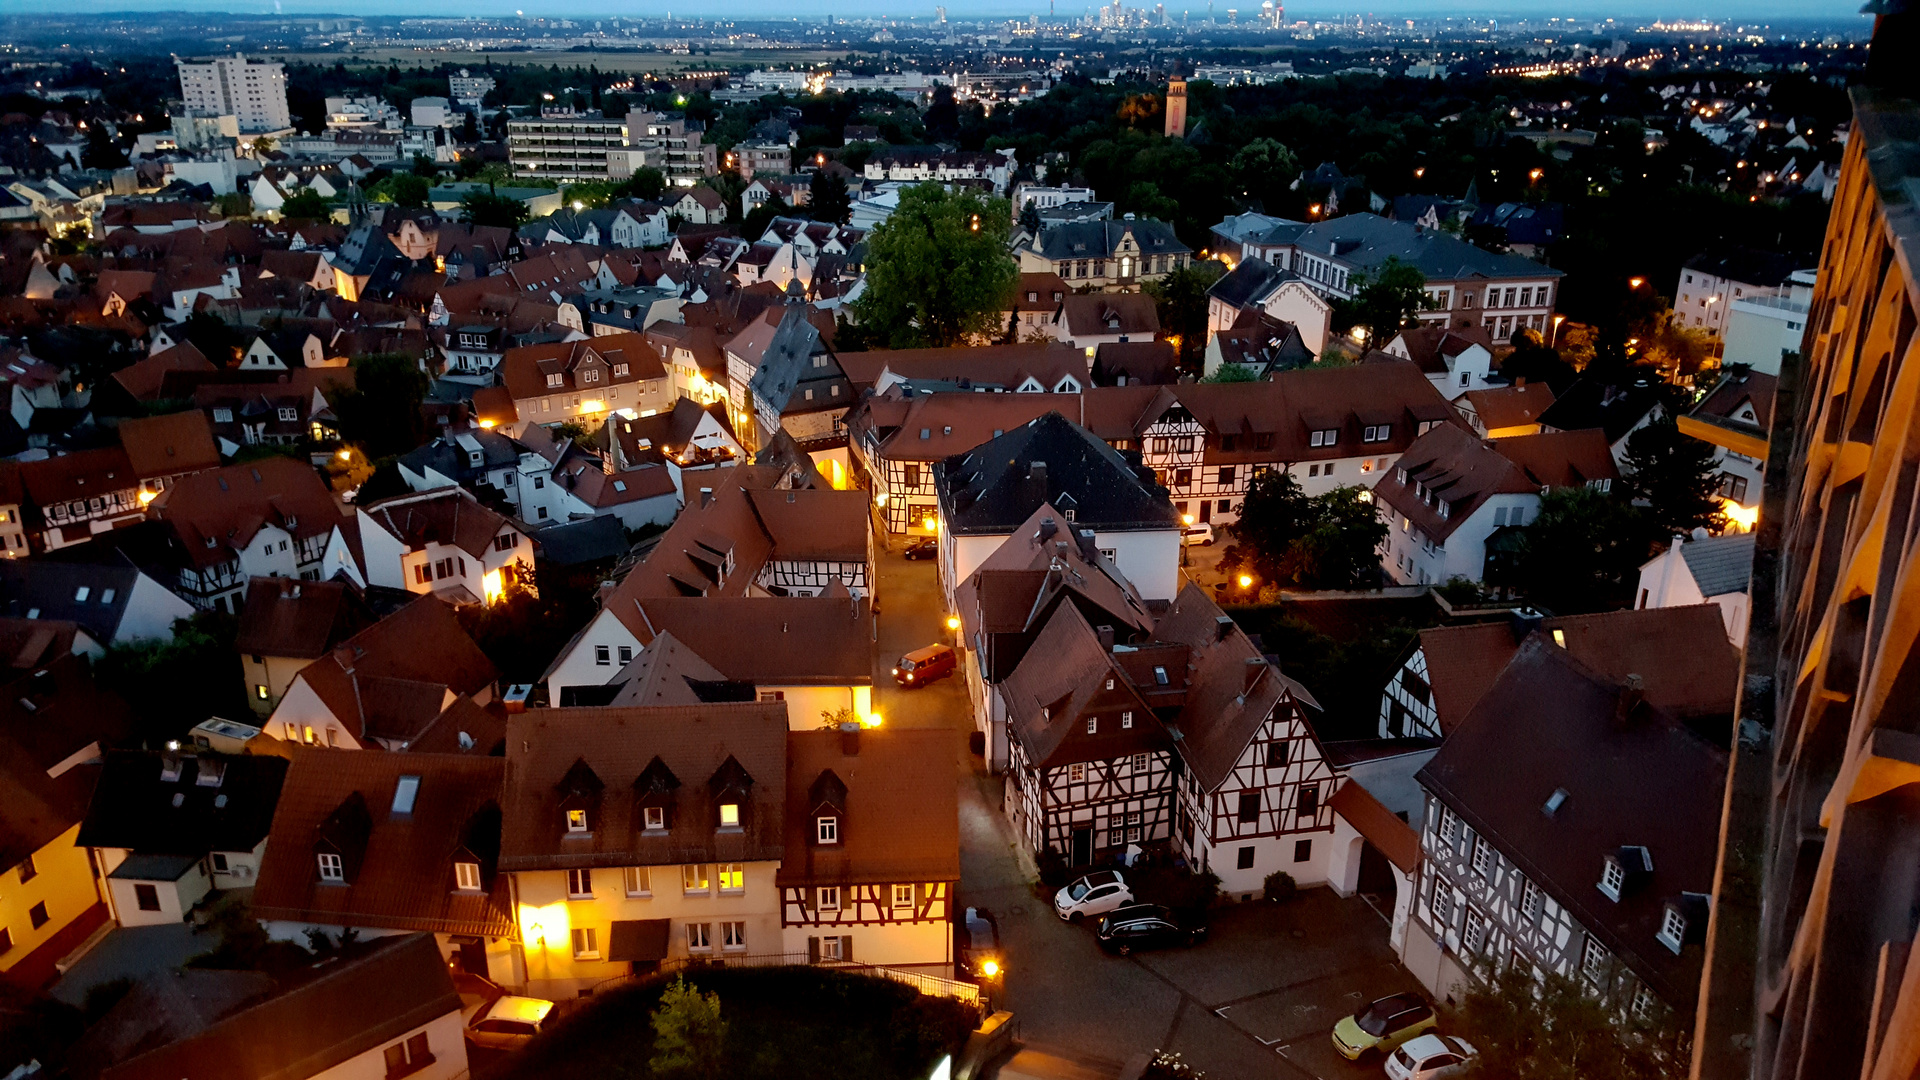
(1844, 11)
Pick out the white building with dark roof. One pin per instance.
(1702, 570)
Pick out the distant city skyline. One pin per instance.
(1797, 11)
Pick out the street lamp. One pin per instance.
(1555, 340)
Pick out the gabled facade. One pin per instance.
(270, 518)
(1106, 255)
(443, 541)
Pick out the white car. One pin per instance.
(1201, 534)
(508, 1023)
(1430, 1057)
(1095, 894)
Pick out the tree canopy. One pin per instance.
(827, 198)
(1553, 1028)
(1583, 552)
(1386, 300)
(485, 208)
(381, 413)
(306, 205)
(1676, 475)
(1289, 538)
(1181, 299)
(938, 271)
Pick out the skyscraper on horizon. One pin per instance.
(255, 93)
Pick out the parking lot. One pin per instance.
(1258, 999)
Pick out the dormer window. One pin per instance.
(1673, 929)
(466, 876)
(1093, 725)
(656, 818)
(576, 821)
(729, 815)
(1323, 437)
(553, 380)
(826, 830)
(331, 868)
(1612, 878)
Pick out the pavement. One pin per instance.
(133, 952)
(1258, 999)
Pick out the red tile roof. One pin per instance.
(1386, 832)
(899, 816)
(218, 511)
(391, 680)
(161, 446)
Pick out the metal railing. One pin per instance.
(931, 985)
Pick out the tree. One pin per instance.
(233, 205)
(938, 271)
(1181, 299)
(101, 151)
(1030, 218)
(1555, 1029)
(1385, 301)
(485, 208)
(1288, 538)
(1230, 373)
(689, 1038)
(1533, 360)
(1264, 168)
(643, 184)
(424, 166)
(827, 198)
(754, 225)
(404, 190)
(1583, 552)
(306, 205)
(381, 413)
(264, 145)
(175, 683)
(1676, 475)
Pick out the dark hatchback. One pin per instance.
(1145, 926)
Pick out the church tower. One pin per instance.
(1177, 108)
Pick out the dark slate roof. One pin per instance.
(1644, 780)
(1368, 240)
(586, 541)
(1593, 403)
(50, 588)
(788, 362)
(1744, 265)
(134, 808)
(1244, 284)
(1098, 239)
(1720, 564)
(997, 486)
(348, 1008)
(451, 459)
(1526, 223)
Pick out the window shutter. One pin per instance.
(813, 950)
(846, 948)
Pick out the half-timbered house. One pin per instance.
(636, 835)
(895, 440)
(1580, 841)
(872, 854)
(1252, 797)
(1090, 764)
(1005, 603)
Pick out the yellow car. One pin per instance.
(1383, 1025)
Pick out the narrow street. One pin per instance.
(1257, 1000)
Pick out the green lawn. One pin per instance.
(783, 1023)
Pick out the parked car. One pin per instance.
(922, 666)
(925, 547)
(1430, 1057)
(1144, 926)
(508, 1023)
(1383, 1025)
(1095, 894)
(980, 958)
(1201, 534)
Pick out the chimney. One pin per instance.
(706, 498)
(1631, 695)
(1256, 667)
(1037, 477)
(1048, 527)
(1222, 626)
(850, 738)
(1106, 638)
(1520, 382)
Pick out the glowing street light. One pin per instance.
(1246, 581)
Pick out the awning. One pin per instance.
(639, 939)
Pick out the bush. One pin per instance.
(1280, 887)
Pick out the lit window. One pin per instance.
(466, 875)
(331, 868)
(729, 815)
(733, 877)
(576, 821)
(693, 878)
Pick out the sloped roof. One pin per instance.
(403, 878)
(773, 640)
(1153, 362)
(1561, 458)
(1638, 780)
(392, 679)
(1046, 700)
(1459, 470)
(351, 1008)
(997, 486)
(1720, 564)
(167, 445)
(297, 619)
(1510, 406)
(218, 511)
(813, 524)
(901, 813)
(223, 803)
(929, 427)
(545, 747)
(1382, 828)
(665, 673)
(450, 516)
(1011, 588)
(1098, 314)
